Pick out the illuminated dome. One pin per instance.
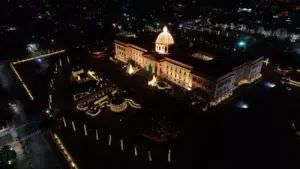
(165, 38)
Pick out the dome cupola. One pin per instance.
(163, 41)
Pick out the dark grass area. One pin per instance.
(37, 76)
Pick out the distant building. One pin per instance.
(217, 76)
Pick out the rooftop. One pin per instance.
(145, 40)
(222, 63)
(213, 68)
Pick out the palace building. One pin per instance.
(216, 76)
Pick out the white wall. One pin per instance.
(225, 84)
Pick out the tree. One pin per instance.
(7, 157)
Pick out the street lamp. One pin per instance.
(242, 44)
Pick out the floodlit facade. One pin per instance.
(161, 63)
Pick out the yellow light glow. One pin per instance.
(165, 29)
(37, 57)
(130, 70)
(153, 82)
(92, 74)
(266, 62)
(22, 82)
(165, 38)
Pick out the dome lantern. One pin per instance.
(163, 41)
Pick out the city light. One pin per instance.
(39, 60)
(9, 162)
(243, 105)
(241, 43)
(270, 85)
(244, 10)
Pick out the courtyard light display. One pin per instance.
(153, 82)
(101, 96)
(93, 75)
(88, 101)
(161, 85)
(79, 75)
(118, 105)
(130, 69)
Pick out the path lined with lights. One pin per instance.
(133, 104)
(22, 82)
(291, 82)
(38, 57)
(64, 151)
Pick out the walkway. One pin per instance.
(26, 60)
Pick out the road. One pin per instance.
(37, 142)
(35, 148)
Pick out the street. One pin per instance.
(35, 148)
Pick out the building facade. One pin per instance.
(161, 63)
